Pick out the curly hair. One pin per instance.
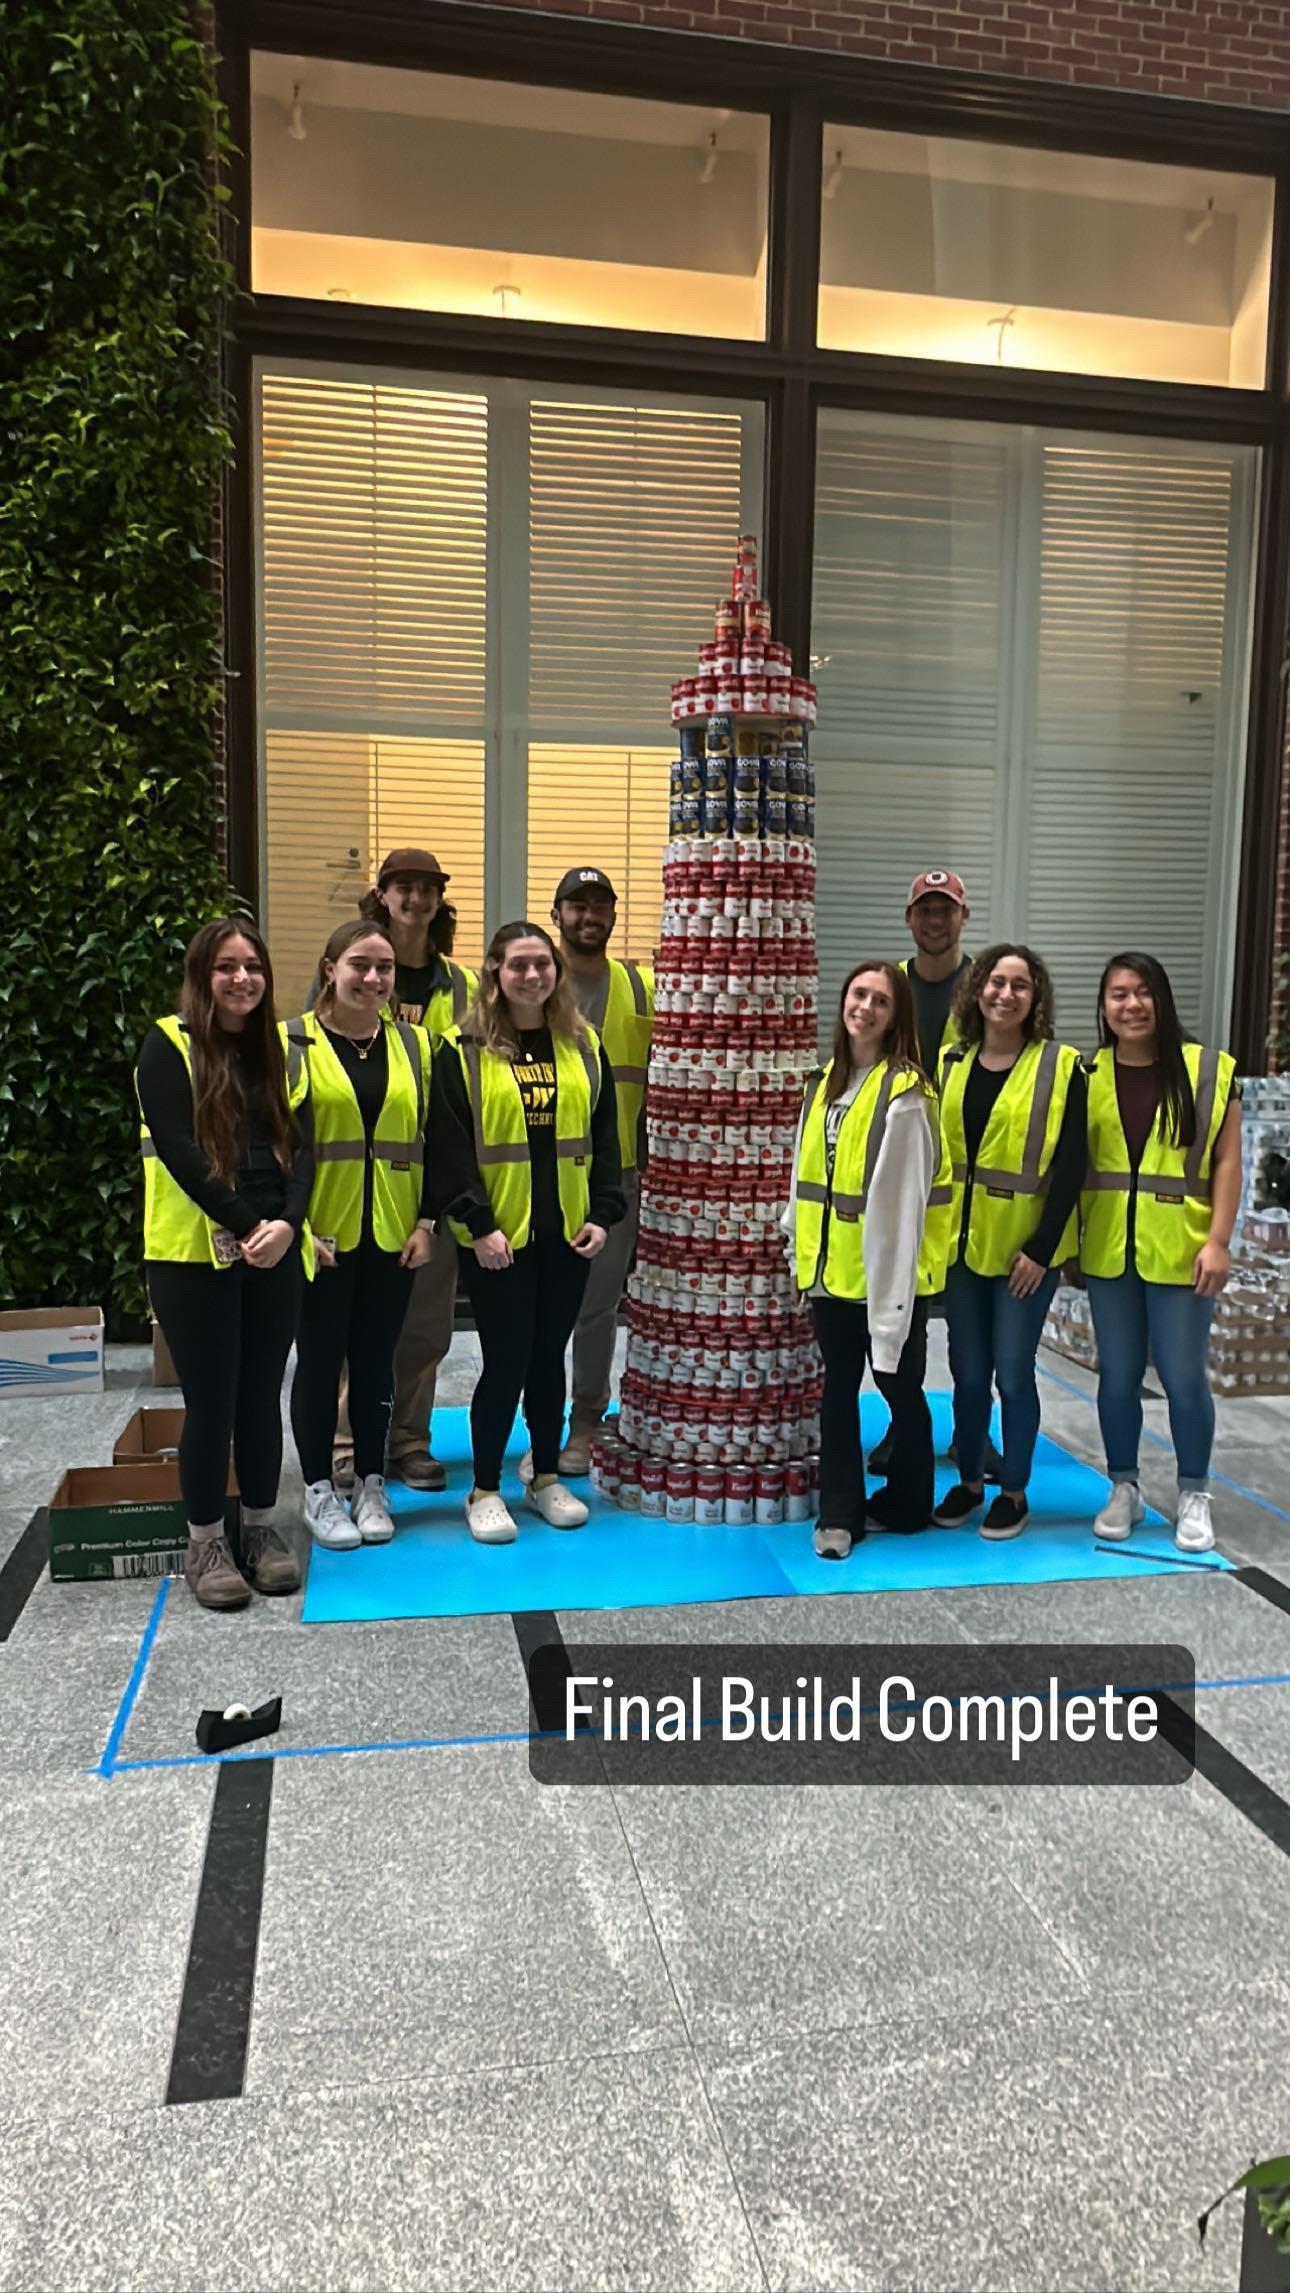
(1038, 1024)
(441, 930)
(488, 1019)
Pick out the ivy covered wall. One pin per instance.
(112, 438)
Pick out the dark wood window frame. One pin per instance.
(799, 91)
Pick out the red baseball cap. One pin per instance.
(941, 881)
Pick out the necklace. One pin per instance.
(364, 1049)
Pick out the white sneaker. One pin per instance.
(490, 1521)
(326, 1519)
(559, 1508)
(1195, 1530)
(371, 1512)
(1122, 1512)
(526, 1468)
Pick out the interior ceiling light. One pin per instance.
(1202, 224)
(710, 161)
(296, 128)
(834, 176)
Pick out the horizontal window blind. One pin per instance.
(1129, 714)
(908, 642)
(601, 808)
(374, 545)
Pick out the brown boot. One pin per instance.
(213, 1574)
(419, 1470)
(267, 1558)
(575, 1457)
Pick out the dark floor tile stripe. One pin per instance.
(23, 1569)
(1270, 1587)
(1263, 2269)
(1239, 1785)
(546, 1668)
(209, 2059)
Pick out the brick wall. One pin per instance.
(1228, 51)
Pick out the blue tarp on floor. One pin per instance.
(433, 1568)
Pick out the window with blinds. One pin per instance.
(1031, 657)
(474, 601)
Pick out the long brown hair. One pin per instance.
(342, 939)
(967, 1008)
(488, 1019)
(441, 930)
(221, 1098)
(899, 1044)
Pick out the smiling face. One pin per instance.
(412, 901)
(1008, 996)
(867, 1011)
(585, 923)
(1129, 1007)
(526, 975)
(237, 981)
(936, 923)
(363, 977)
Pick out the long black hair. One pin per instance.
(1178, 1100)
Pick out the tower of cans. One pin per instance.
(719, 1415)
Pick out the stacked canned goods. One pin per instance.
(719, 1414)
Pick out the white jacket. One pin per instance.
(894, 1219)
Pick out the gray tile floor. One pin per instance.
(922, 2041)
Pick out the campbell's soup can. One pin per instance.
(797, 1490)
(726, 620)
(740, 1495)
(653, 1489)
(756, 621)
(709, 1496)
(680, 1493)
(629, 1484)
(597, 1464)
(611, 1464)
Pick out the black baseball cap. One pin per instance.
(582, 884)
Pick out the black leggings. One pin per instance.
(524, 1314)
(353, 1312)
(229, 1330)
(906, 1502)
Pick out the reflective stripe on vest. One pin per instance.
(175, 1231)
(1022, 1129)
(829, 1218)
(628, 1025)
(341, 1151)
(501, 1134)
(448, 1006)
(1172, 1214)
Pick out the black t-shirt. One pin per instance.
(534, 1071)
(932, 1000)
(414, 984)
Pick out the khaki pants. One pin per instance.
(597, 1324)
(425, 1339)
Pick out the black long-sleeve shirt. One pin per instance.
(1070, 1156)
(458, 1189)
(261, 1188)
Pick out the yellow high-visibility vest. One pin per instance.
(1010, 1182)
(502, 1139)
(448, 1005)
(175, 1231)
(845, 1197)
(626, 1034)
(1173, 1211)
(340, 1142)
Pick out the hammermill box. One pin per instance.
(51, 1349)
(149, 1434)
(121, 1521)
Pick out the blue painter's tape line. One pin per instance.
(108, 1765)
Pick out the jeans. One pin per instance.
(1128, 1315)
(842, 1331)
(993, 1339)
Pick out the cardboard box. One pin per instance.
(51, 1349)
(151, 1433)
(121, 1521)
(163, 1368)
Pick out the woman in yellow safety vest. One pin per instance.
(867, 1217)
(524, 1144)
(371, 1093)
(1160, 1200)
(227, 1141)
(1013, 1110)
